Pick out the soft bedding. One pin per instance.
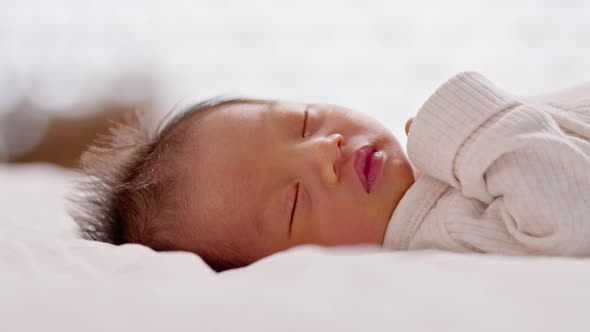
(51, 281)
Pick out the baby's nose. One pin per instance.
(338, 140)
(330, 154)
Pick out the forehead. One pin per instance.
(224, 164)
(220, 143)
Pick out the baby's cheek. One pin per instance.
(368, 231)
(356, 230)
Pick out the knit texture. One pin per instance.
(502, 174)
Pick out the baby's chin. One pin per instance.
(398, 178)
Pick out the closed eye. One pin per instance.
(305, 114)
(294, 207)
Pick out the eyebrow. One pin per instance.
(279, 208)
(275, 202)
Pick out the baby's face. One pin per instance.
(265, 176)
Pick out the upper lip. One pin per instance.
(361, 156)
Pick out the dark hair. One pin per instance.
(126, 194)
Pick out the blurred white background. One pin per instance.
(382, 57)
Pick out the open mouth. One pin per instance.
(367, 164)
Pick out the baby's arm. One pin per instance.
(507, 153)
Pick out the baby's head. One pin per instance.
(237, 180)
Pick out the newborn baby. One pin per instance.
(237, 180)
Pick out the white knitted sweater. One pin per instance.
(502, 174)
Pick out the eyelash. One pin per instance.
(294, 206)
(305, 116)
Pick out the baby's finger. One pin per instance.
(417, 173)
(408, 125)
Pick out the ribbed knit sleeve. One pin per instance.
(445, 121)
(531, 177)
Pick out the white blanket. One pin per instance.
(383, 57)
(51, 281)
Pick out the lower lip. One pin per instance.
(368, 162)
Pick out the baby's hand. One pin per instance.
(417, 172)
(408, 125)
